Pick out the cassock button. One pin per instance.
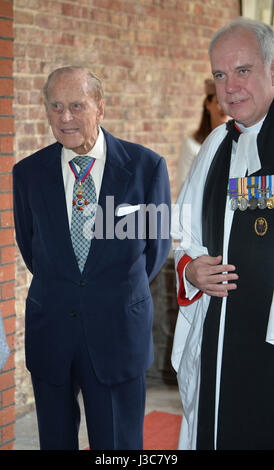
(72, 313)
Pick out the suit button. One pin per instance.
(72, 313)
(82, 283)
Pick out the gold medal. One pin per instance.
(79, 202)
(270, 202)
(261, 226)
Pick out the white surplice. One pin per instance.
(187, 227)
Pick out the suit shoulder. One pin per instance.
(36, 158)
(141, 154)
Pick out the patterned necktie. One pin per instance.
(81, 232)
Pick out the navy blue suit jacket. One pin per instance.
(112, 294)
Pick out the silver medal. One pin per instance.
(253, 203)
(234, 204)
(262, 202)
(243, 204)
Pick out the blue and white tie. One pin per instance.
(80, 235)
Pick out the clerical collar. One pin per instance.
(255, 129)
(247, 148)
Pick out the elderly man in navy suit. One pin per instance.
(86, 234)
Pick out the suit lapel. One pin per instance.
(52, 187)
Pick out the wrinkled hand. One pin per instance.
(207, 274)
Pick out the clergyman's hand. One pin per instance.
(208, 275)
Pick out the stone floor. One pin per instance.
(160, 397)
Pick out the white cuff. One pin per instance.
(190, 289)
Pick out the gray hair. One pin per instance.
(263, 34)
(95, 84)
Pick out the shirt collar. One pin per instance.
(255, 129)
(247, 154)
(98, 151)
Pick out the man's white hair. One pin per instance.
(263, 34)
(95, 84)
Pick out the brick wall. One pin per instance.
(7, 267)
(152, 57)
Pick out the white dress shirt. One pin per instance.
(99, 153)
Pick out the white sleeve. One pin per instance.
(186, 230)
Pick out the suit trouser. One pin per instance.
(114, 414)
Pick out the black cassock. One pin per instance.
(246, 400)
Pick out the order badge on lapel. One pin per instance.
(261, 226)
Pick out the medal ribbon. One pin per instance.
(239, 186)
(86, 172)
(270, 181)
(251, 186)
(233, 190)
(263, 188)
(245, 191)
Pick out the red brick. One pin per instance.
(8, 431)
(7, 272)
(7, 378)
(6, 86)
(6, 125)
(7, 307)
(6, 235)
(23, 17)
(7, 254)
(6, 146)
(10, 341)
(10, 364)
(46, 21)
(6, 48)
(7, 415)
(6, 67)
(6, 162)
(6, 219)
(6, 28)
(8, 397)
(5, 103)
(7, 446)
(109, 4)
(6, 9)
(6, 202)
(5, 183)
(7, 290)
(23, 83)
(147, 51)
(9, 323)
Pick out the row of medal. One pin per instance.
(251, 192)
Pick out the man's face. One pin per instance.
(73, 114)
(244, 85)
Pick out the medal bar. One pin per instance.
(251, 192)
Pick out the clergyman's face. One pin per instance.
(73, 113)
(244, 85)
